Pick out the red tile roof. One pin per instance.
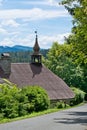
(24, 74)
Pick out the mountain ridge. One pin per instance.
(15, 48)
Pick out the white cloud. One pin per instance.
(30, 2)
(8, 33)
(16, 24)
(3, 31)
(53, 2)
(6, 42)
(29, 40)
(9, 22)
(32, 14)
(44, 2)
(47, 41)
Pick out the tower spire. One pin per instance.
(36, 47)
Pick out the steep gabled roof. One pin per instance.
(24, 74)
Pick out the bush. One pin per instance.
(16, 102)
(1, 116)
(61, 104)
(79, 96)
(37, 97)
(8, 102)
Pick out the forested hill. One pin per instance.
(15, 48)
(20, 53)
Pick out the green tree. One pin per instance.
(78, 10)
(61, 63)
(78, 38)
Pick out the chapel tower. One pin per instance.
(36, 57)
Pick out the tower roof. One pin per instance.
(36, 57)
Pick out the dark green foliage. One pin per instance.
(62, 104)
(16, 102)
(24, 56)
(61, 63)
(37, 97)
(69, 61)
(79, 96)
(8, 103)
(78, 37)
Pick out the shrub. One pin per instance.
(61, 104)
(79, 96)
(37, 97)
(16, 102)
(8, 102)
(1, 116)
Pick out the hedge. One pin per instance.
(15, 102)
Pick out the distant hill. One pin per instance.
(20, 53)
(16, 48)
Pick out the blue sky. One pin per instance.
(20, 18)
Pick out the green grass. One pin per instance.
(34, 114)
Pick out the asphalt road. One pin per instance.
(71, 119)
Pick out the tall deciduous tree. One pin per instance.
(78, 10)
(78, 38)
(61, 63)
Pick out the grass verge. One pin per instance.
(34, 114)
